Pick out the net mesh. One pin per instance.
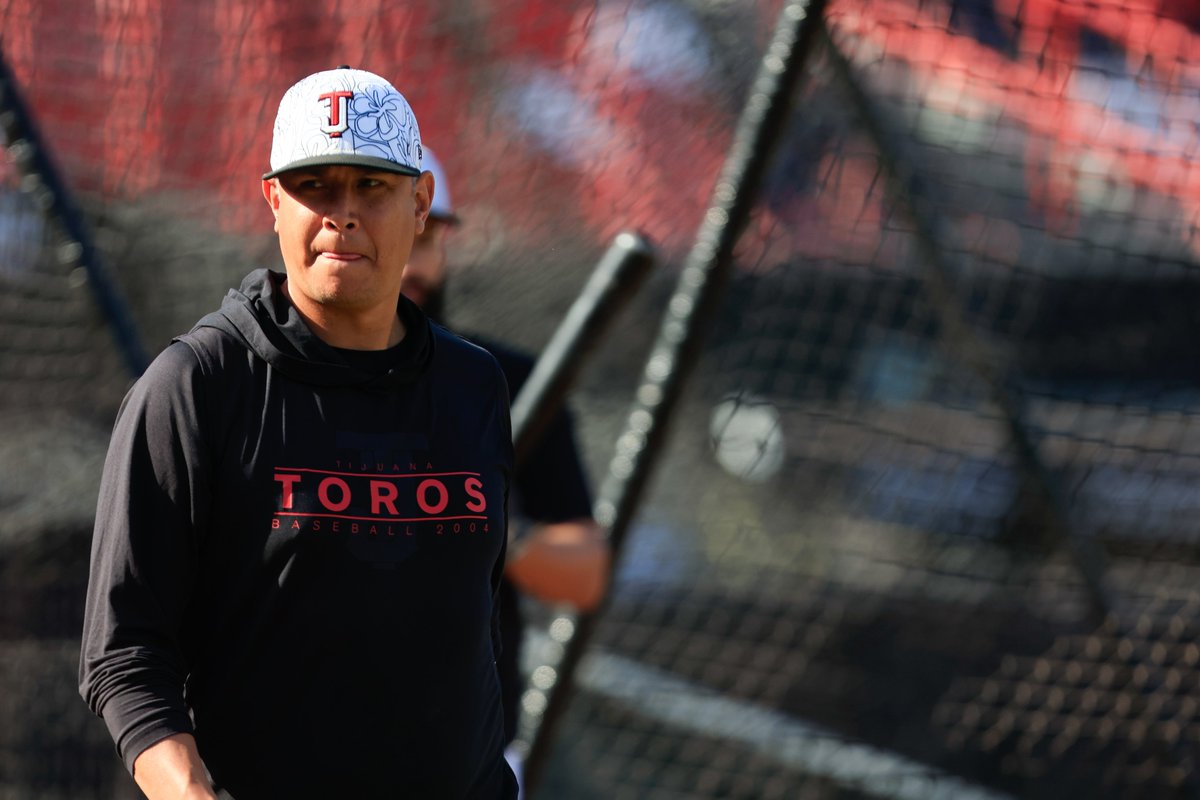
(945, 419)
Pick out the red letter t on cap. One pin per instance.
(339, 120)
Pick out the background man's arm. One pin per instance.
(562, 562)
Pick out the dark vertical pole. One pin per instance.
(967, 344)
(42, 180)
(1087, 554)
(689, 314)
(613, 283)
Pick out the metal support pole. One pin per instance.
(44, 183)
(967, 344)
(613, 283)
(688, 316)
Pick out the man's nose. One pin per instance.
(342, 212)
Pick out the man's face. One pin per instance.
(345, 234)
(426, 271)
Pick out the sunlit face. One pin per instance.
(345, 234)
(426, 270)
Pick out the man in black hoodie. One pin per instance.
(302, 520)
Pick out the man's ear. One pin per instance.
(270, 189)
(423, 189)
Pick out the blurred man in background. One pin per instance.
(557, 553)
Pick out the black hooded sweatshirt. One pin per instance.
(296, 557)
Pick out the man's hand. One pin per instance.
(564, 562)
(171, 769)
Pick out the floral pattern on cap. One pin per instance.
(379, 119)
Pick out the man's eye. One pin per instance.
(370, 183)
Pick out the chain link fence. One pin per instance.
(925, 522)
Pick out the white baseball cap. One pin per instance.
(442, 207)
(349, 117)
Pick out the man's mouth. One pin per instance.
(334, 255)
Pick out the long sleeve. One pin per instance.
(151, 508)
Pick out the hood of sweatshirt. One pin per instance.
(261, 316)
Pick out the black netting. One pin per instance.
(925, 525)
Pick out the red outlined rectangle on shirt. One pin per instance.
(380, 497)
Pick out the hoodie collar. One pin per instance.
(260, 314)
